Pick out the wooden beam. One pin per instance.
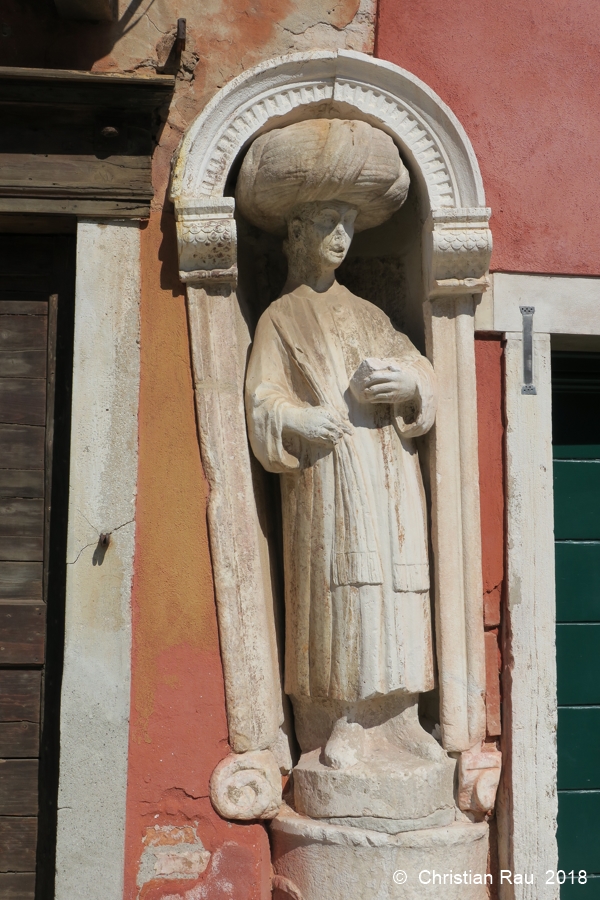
(19, 740)
(78, 143)
(18, 787)
(106, 209)
(59, 87)
(20, 696)
(21, 482)
(75, 176)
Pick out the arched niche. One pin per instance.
(449, 245)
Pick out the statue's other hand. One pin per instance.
(390, 385)
(315, 424)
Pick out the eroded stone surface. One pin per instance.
(390, 784)
(479, 774)
(320, 860)
(246, 786)
(453, 270)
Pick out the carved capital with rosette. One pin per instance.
(247, 786)
(458, 247)
(207, 239)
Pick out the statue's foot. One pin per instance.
(346, 745)
(408, 733)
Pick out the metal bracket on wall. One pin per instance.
(180, 36)
(528, 386)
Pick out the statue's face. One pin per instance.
(325, 231)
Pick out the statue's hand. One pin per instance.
(390, 385)
(315, 424)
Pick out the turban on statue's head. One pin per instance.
(321, 159)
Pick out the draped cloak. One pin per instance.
(358, 620)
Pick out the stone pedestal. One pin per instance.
(391, 784)
(313, 860)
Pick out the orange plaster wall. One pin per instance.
(522, 77)
(178, 727)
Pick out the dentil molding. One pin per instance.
(346, 84)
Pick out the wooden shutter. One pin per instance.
(31, 269)
(576, 440)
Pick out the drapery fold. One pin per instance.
(355, 540)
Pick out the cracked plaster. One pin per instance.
(109, 531)
(225, 37)
(172, 852)
(258, 29)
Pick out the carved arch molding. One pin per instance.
(456, 245)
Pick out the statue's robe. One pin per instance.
(358, 621)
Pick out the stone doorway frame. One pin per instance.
(456, 252)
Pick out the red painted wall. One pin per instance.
(178, 730)
(522, 77)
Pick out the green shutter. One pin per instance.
(576, 440)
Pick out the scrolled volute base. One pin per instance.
(247, 786)
(478, 778)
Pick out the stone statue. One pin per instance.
(334, 397)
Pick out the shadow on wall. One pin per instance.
(32, 34)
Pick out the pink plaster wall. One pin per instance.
(522, 77)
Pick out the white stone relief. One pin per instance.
(208, 244)
(220, 339)
(337, 424)
(455, 525)
(315, 859)
(458, 249)
(418, 139)
(282, 100)
(289, 88)
(285, 889)
(247, 786)
(356, 769)
(478, 778)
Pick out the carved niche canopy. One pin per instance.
(342, 83)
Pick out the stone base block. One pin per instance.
(401, 786)
(317, 861)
